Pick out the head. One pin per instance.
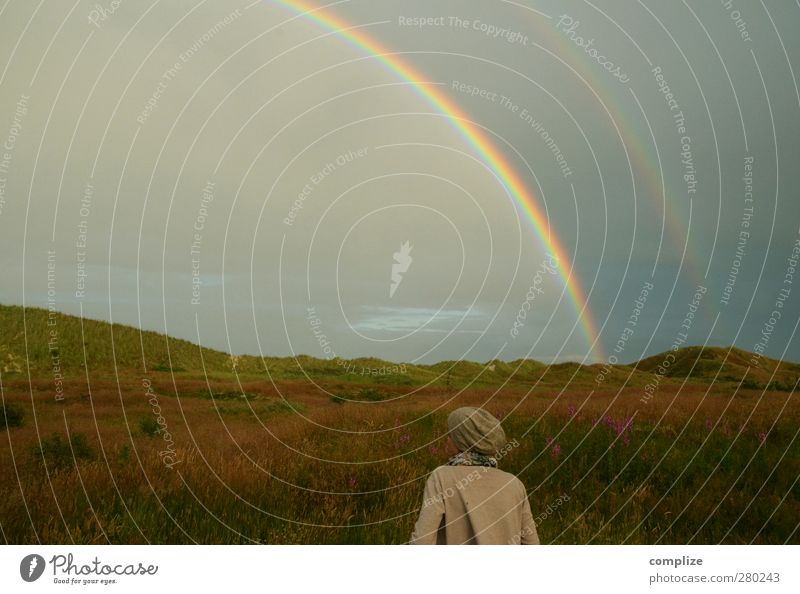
(475, 430)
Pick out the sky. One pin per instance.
(332, 179)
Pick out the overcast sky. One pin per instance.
(235, 175)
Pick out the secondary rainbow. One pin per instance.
(675, 224)
(493, 157)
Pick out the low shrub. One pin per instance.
(149, 427)
(372, 395)
(58, 452)
(10, 416)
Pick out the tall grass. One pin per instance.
(701, 469)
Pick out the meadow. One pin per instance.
(199, 448)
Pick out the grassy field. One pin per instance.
(178, 445)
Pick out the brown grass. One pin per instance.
(694, 466)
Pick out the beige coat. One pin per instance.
(474, 505)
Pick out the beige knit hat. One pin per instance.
(475, 430)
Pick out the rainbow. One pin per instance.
(493, 157)
(674, 225)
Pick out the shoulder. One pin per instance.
(444, 474)
(438, 475)
(511, 482)
(443, 478)
(514, 480)
(441, 473)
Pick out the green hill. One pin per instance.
(725, 364)
(39, 339)
(44, 339)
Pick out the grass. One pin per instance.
(104, 347)
(272, 406)
(689, 468)
(239, 456)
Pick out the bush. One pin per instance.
(149, 427)
(787, 386)
(60, 453)
(372, 395)
(280, 406)
(10, 416)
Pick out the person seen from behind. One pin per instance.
(470, 500)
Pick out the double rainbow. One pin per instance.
(482, 144)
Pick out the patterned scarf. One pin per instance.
(472, 459)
